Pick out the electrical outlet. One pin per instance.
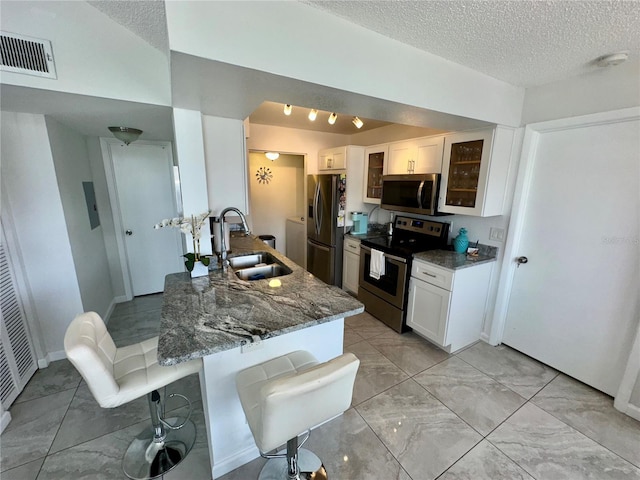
(251, 346)
(496, 234)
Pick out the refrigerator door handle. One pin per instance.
(318, 209)
(318, 246)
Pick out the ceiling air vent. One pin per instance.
(22, 54)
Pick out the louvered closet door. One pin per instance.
(17, 358)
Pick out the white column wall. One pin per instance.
(33, 200)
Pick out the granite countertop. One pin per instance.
(218, 312)
(454, 261)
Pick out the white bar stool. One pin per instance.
(287, 396)
(119, 375)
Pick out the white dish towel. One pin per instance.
(376, 267)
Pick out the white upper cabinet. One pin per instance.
(475, 168)
(332, 159)
(375, 165)
(420, 155)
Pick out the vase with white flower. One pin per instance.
(196, 264)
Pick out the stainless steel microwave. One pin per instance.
(411, 193)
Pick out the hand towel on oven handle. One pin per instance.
(376, 266)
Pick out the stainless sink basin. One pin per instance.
(260, 273)
(251, 260)
(258, 266)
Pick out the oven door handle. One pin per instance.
(419, 194)
(390, 257)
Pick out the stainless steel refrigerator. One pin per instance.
(325, 226)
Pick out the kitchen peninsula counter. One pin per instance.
(233, 324)
(218, 312)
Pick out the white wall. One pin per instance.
(93, 54)
(292, 140)
(327, 50)
(282, 197)
(106, 218)
(31, 189)
(391, 133)
(72, 167)
(602, 90)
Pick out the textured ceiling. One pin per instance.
(524, 43)
(146, 18)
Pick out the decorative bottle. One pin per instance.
(461, 242)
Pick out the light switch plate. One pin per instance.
(496, 234)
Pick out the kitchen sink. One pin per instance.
(258, 266)
(252, 259)
(260, 273)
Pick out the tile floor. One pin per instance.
(418, 413)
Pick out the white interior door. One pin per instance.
(145, 190)
(574, 304)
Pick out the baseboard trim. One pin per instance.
(231, 463)
(4, 420)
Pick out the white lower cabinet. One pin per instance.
(351, 265)
(448, 307)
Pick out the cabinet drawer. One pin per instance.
(426, 272)
(351, 245)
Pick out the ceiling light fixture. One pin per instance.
(126, 134)
(332, 118)
(313, 113)
(357, 122)
(612, 59)
(272, 155)
(287, 109)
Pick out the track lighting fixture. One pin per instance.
(287, 109)
(313, 113)
(332, 118)
(357, 122)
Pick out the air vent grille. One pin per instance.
(21, 54)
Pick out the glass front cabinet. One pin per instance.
(475, 168)
(375, 165)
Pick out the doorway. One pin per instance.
(276, 193)
(574, 304)
(141, 186)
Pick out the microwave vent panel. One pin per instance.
(27, 55)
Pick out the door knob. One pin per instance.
(522, 260)
(128, 232)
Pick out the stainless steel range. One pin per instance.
(386, 297)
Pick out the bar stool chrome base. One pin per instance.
(310, 466)
(145, 458)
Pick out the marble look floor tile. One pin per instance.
(548, 448)
(375, 374)
(131, 328)
(32, 428)
(409, 352)
(349, 449)
(520, 373)
(137, 305)
(28, 471)
(475, 397)
(350, 337)
(424, 435)
(366, 325)
(361, 348)
(485, 462)
(248, 471)
(592, 413)
(86, 420)
(57, 377)
(97, 459)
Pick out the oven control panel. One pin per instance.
(424, 227)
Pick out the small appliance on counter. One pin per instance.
(360, 222)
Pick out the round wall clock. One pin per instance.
(264, 175)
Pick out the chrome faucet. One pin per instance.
(223, 243)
